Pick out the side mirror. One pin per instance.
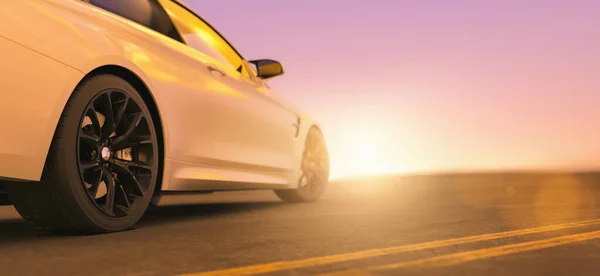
(267, 68)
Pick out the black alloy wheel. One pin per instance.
(103, 164)
(115, 150)
(315, 171)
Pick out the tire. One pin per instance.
(315, 171)
(69, 199)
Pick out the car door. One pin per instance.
(251, 130)
(274, 125)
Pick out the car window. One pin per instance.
(202, 37)
(145, 12)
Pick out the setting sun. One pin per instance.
(365, 157)
(360, 155)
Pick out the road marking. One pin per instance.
(325, 260)
(467, 256)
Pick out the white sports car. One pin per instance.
(105, 105)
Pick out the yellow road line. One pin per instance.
(325, 260)
(462, 257)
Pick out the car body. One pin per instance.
(218, 124)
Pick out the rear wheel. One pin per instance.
(315, 171)
(102, 166)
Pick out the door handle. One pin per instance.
(216, 71)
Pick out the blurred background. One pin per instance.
(433, 85)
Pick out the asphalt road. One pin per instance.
(437, 225)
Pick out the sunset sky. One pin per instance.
(403, 86)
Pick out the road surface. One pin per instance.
(495, 224)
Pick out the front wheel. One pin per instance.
(315, 171)
(102, 166)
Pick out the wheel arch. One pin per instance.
(138, 83)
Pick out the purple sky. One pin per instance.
(433, 85)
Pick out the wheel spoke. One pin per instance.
(139, 165)
(86, 165)
(132, 164)
(126, 164)
(96, 184)
(120, 141)
(109, 202)
(121, 112)
(93, 115)
(109, 122)
(123, 201)
(127, 178)
(141, 140)
(90, 139)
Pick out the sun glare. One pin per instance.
(361, 156)
(366, 153)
